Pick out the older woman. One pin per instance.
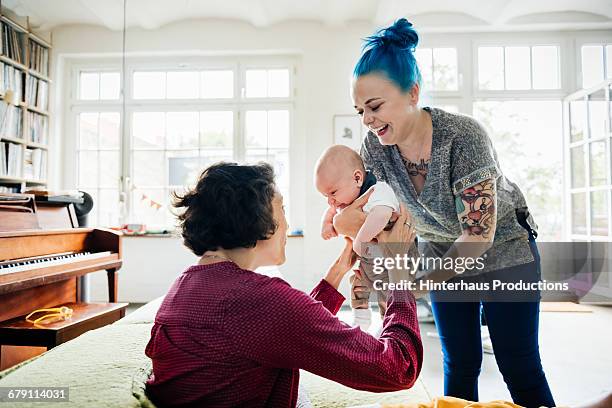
(227, 336)
(444, 167)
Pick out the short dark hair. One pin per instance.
(230, 207)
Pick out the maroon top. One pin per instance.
(228, 337)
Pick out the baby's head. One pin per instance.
(339, 175)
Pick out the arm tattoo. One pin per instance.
(476, 209)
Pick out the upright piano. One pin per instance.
(40, 268)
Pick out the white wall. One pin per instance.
(325, 59)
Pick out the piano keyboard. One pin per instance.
(24, 264)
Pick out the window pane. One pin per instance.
(527, 136)
(182, 129)
(149, 168)
(279, 158)
(217, 84)
(217, 129)
(445, 69)
(149, 207)
(256, 83)
(449, 108)
(108, 213)
(579, 213)
(89, 86)
(149, 85)
(491, 68)
(88, 169)
(182, 85)
(209, 157)
(109, 130)
(109, 169)
(256, 126)
(109, 85)
(599, 213)
(425, 63)
(517, 68)
(598, 163)
(597, 118)
(278, 83)
(88, 130)
(545, 65)
(148, 129)
(92, 217)
(577, 166)
(609, 61)
(577, 120)
(592, 65)
(278, 129)
(183, 168)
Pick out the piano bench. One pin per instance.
(85, 317)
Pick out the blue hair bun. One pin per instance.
(400, 34)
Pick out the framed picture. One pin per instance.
(348, 131)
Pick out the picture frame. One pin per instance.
(348, 131)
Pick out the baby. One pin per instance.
(341, 177)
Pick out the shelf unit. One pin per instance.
(30, 151)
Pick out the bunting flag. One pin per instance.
(146, 200)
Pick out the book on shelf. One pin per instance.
(11, 159)
(10, 189)
(39, 125)
(10, 120)
(12, 43)
(11, 79)
(3, 160)
(39, 58)
(34, 164)
(37, 91)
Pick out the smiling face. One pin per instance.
(385, 109)
(271, 251)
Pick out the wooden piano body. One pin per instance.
(40, 268)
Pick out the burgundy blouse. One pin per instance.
(229, 337)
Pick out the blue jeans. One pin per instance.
(513, 327)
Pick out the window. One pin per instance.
(596, 63)
(178, 122)
(169, 151)
(438, 68)
(209, 84)
(527, 138)
(267, 83)
(95, 86)
(589, 190)
(98, 156)
(518, 67)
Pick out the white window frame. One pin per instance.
(238, 104)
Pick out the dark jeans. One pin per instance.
(514, 333)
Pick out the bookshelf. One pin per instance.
(24, 103)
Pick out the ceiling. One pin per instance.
(430, 15)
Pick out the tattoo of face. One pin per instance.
(415, 169)
(476, 208)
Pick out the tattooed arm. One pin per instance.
(477, 212)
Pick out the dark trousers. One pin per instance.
(513, 327)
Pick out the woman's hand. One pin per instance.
(342, 264)
(400, 237)
(399, 241)
(350, 219)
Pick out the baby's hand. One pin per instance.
(328, 231)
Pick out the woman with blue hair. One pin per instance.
(444, 168)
